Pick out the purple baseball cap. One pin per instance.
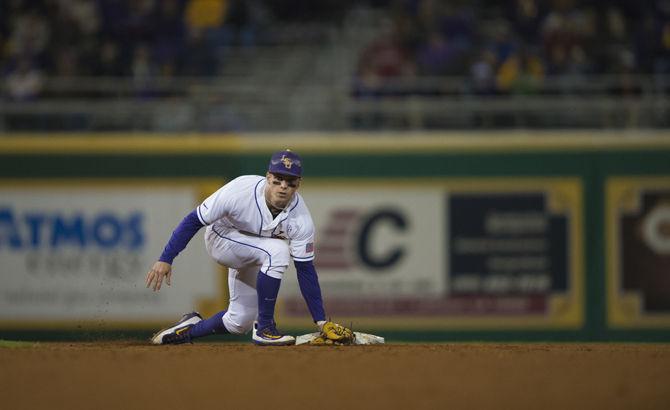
(286, 162)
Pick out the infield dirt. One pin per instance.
(129, 375)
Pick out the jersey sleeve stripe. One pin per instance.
(202, 220)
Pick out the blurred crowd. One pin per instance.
(133, 38)
(500, 47)
(517, 46)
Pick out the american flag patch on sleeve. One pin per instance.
(309, 248)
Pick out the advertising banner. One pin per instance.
(78, 252)
(638, 252)
(448, 253)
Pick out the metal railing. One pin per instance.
(245, 103)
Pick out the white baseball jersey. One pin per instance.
(240, 206)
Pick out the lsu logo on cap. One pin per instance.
(288, 162)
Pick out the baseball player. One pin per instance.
(255, 226)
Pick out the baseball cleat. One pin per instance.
(178, 333)
(270, 336)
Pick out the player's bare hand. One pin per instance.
(158, 272)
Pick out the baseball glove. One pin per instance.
(334, 334)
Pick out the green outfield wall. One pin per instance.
(512, 236)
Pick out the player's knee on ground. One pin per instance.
(240, 322)
(278, 257)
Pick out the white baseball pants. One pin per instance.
(245, 255)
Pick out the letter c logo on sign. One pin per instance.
(391, 256)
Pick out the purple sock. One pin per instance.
(210, 326)
(268, 289)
